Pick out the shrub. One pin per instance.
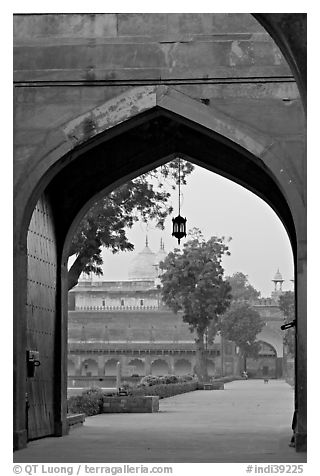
(89, 402)
(150, 380)
(128, 387)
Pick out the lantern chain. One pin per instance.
(179, 185)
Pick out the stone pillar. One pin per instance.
(77, 361)
(301, 347)
(148, 361)
(82, 359)
(170, 360)
(193, 361)
(101, 361)
(118, 375)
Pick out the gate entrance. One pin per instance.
(77, 161)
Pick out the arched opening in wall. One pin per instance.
(133, 278)
(264, 365)
(159, 367)
(138, 367)
(211, 368)
(182, 367)
(71, 368)
(131, 283)
(89, 368)
(110, 368)
(138, 147)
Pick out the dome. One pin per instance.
(278, 276)
(143, 265)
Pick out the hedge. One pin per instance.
(89, 402)
(164, 391)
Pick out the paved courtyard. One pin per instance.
(247, 422)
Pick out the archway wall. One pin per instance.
(66, 65)
(229, 78)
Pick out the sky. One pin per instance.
(220, 207)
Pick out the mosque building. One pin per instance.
(127, 322)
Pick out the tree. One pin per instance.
(145, 198)
(287, 306)
(241, 324)
(193, 283)
(242, 290)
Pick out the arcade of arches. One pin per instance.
(127, 322)
(102, 98)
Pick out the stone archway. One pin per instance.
(182, 367)
(71, 368)
(211, 366)
(89, 368)
(267, 364)
(138, 366)
(159, 367)
(110, 368)
(169, 123)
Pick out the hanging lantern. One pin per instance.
(179, 227)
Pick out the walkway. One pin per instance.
(247, 422)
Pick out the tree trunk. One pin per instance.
(201, 359)
(222, 354)
(242, 361)
(245, 361)
(76, 270)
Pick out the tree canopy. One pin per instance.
(286, 304)
(193, 282)
(241, 324)
(241, 289)
(146, 198)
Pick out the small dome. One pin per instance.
(278, 276)
(143, 265)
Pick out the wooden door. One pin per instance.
(41, 318)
